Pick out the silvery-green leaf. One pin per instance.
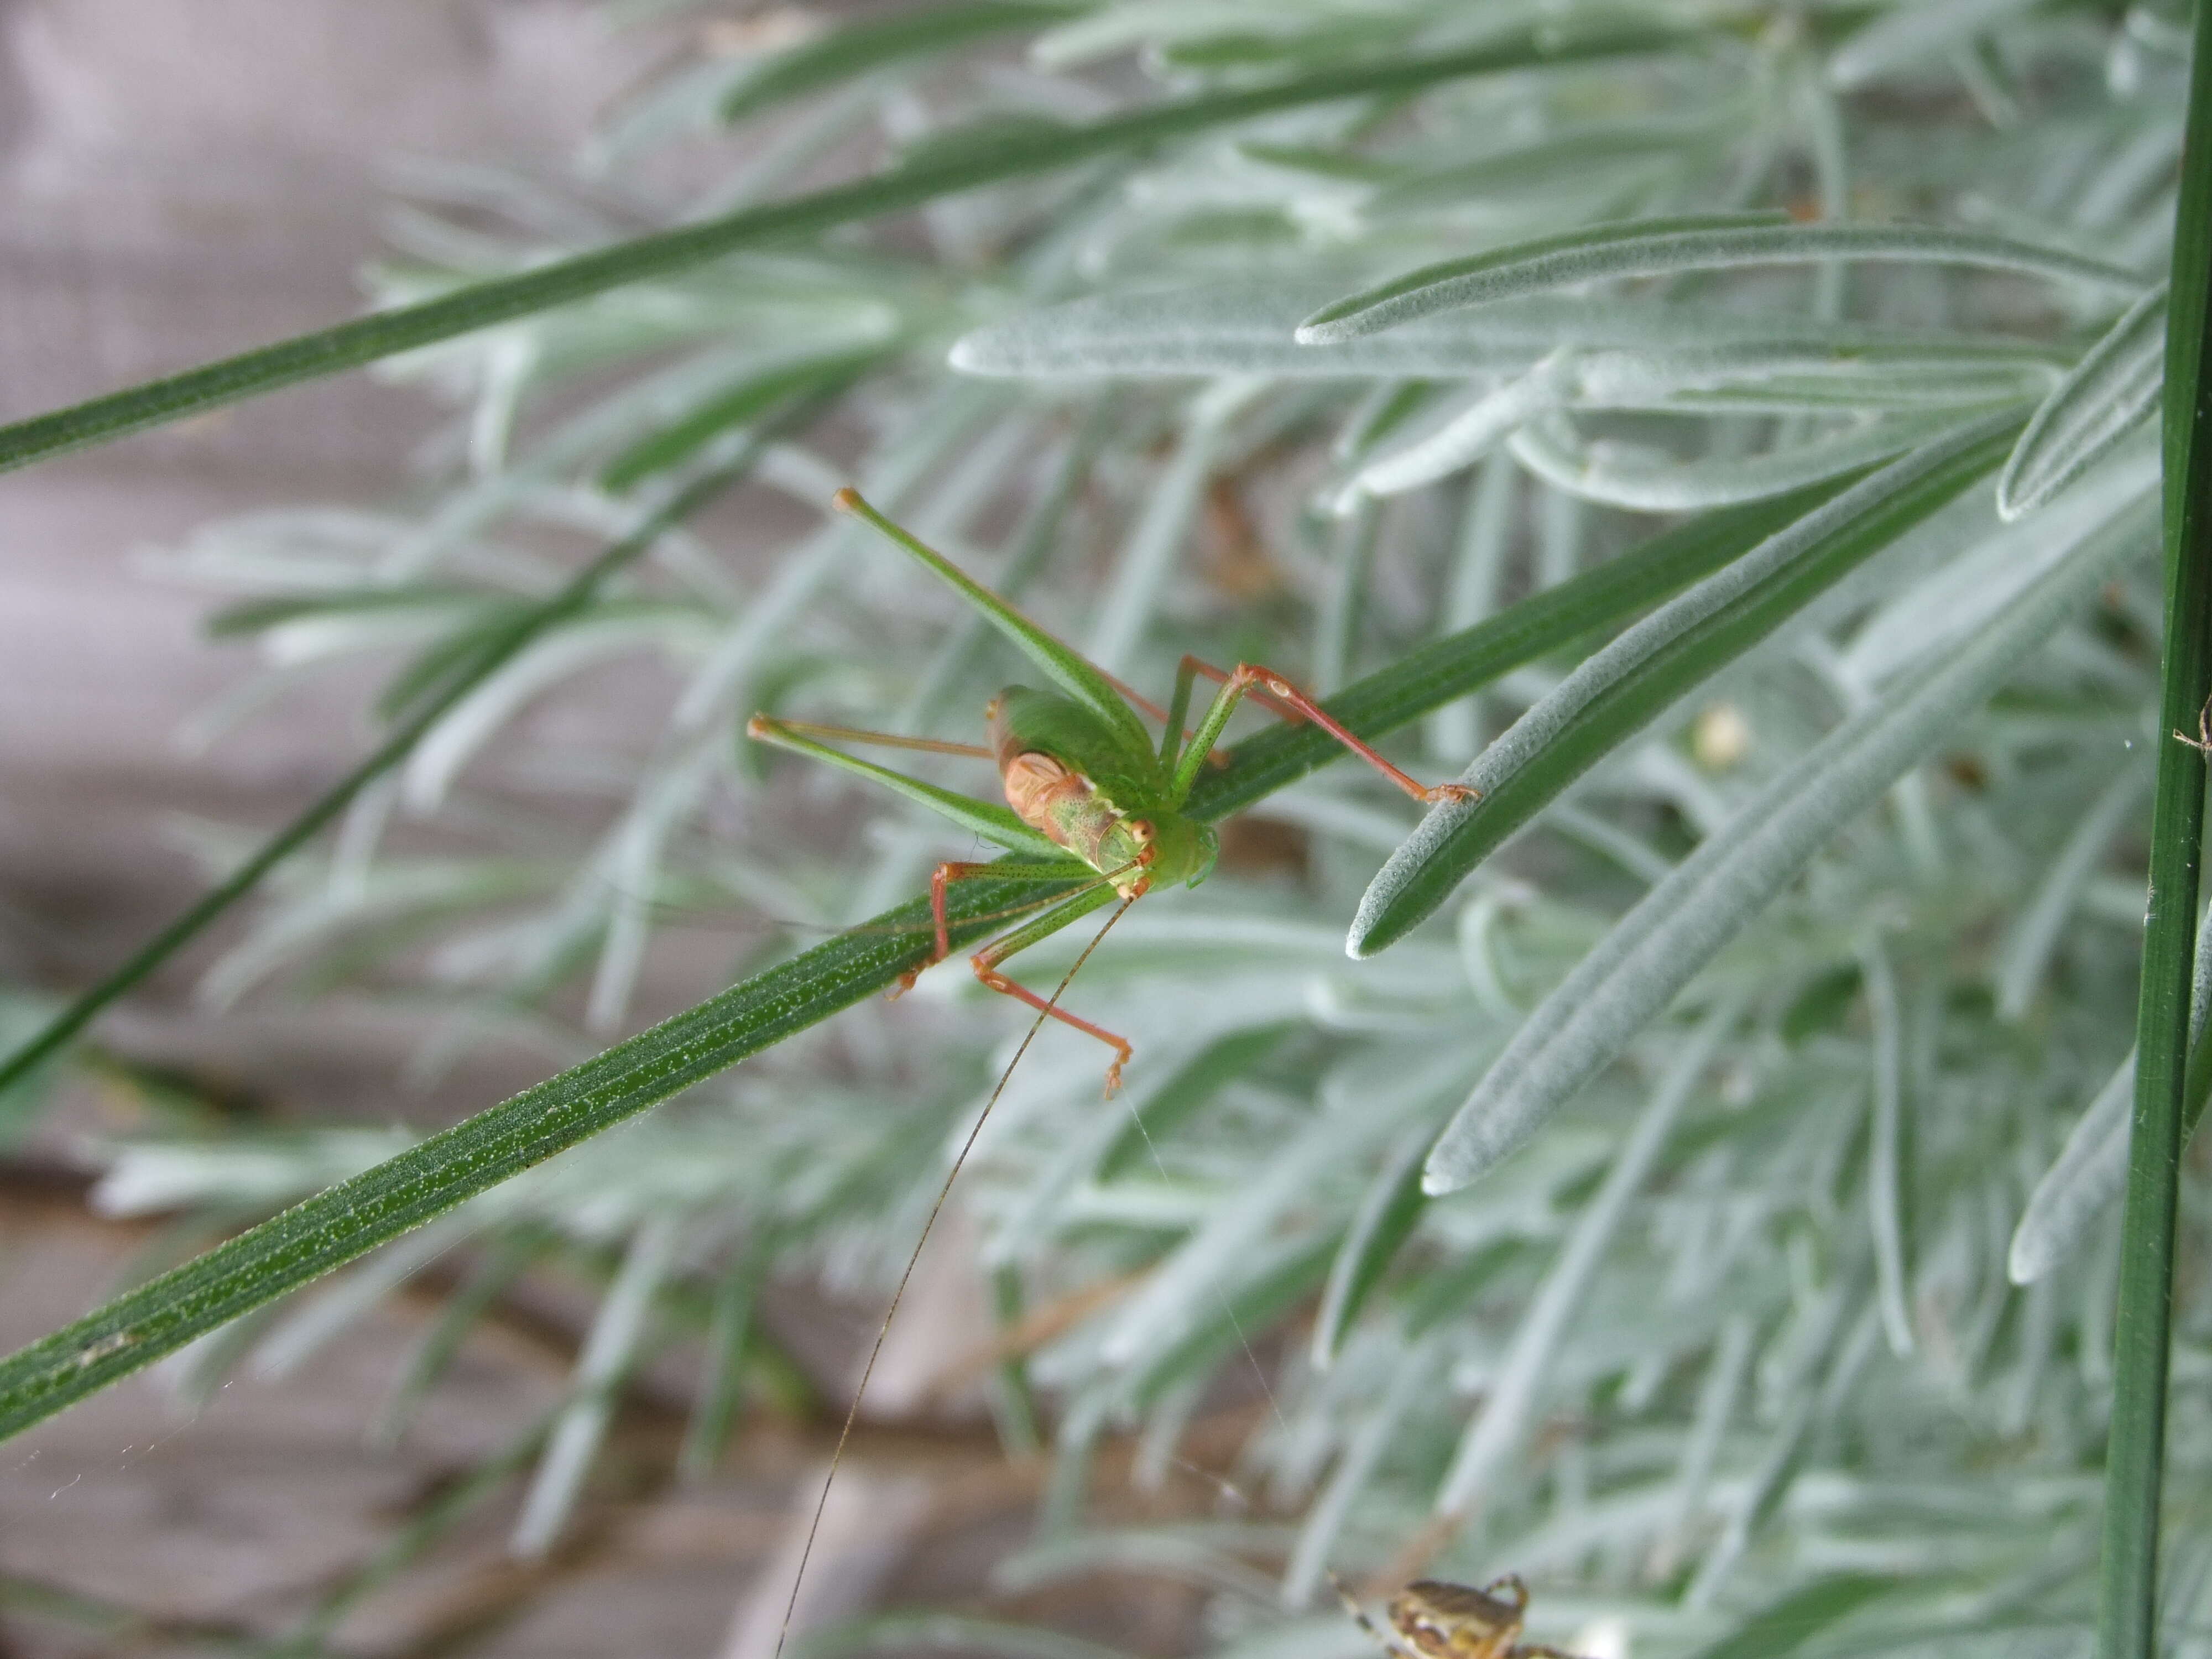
(2092, 1169)
(303, 1331)
(1247, 328)
(1582, 1026)
(609, 1351)
(1414, 1378)
(1667, 247)
(1183, 1291)
(1953, 600)
(2036, 931)
(1149, 555)
(1906, 37)
(2080, 1185)
(1461, 435)
(2112, 389)
(1887, 1177)
(472, 722)
(1645, 480)
(838, 547)
(1511, 1401)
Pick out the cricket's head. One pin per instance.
(1182, 849)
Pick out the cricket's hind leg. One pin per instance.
(1285, 700)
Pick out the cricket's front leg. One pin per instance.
(1286, 700)
(940, 879)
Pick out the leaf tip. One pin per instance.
(968, 355)
(1330, 325)
(2025, 1262)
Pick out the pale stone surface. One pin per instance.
(178, 182)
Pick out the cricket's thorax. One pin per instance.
(1451, 1621)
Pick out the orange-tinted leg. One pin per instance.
(1287, 700)
(986, 963)
(938, 878)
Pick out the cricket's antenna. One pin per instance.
(945, 1192)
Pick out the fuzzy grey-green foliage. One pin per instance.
(1814, 974)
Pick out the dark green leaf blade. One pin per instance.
(345, 1221)
(874, 43)
(404, 328)
(1454, 838)
(2127, 1611)
(1385, 1220)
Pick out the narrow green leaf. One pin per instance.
(1787, 1626)
(404, 328)
(1636, 678)
(2127, 1600)
(1670, 246)
(1385, 1220)
(733, 406)
(2110, 392)
(493, 651)
(842, 53)
(334, 1227)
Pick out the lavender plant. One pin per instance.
(1686, 1175)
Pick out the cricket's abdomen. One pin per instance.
(1058, 802)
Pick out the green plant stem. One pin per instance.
(484, 659)
(2127, 1601)
(346, 1221)
(951, 165)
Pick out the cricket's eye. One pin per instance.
(1139, 831)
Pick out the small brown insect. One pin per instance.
(1432, 1620)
